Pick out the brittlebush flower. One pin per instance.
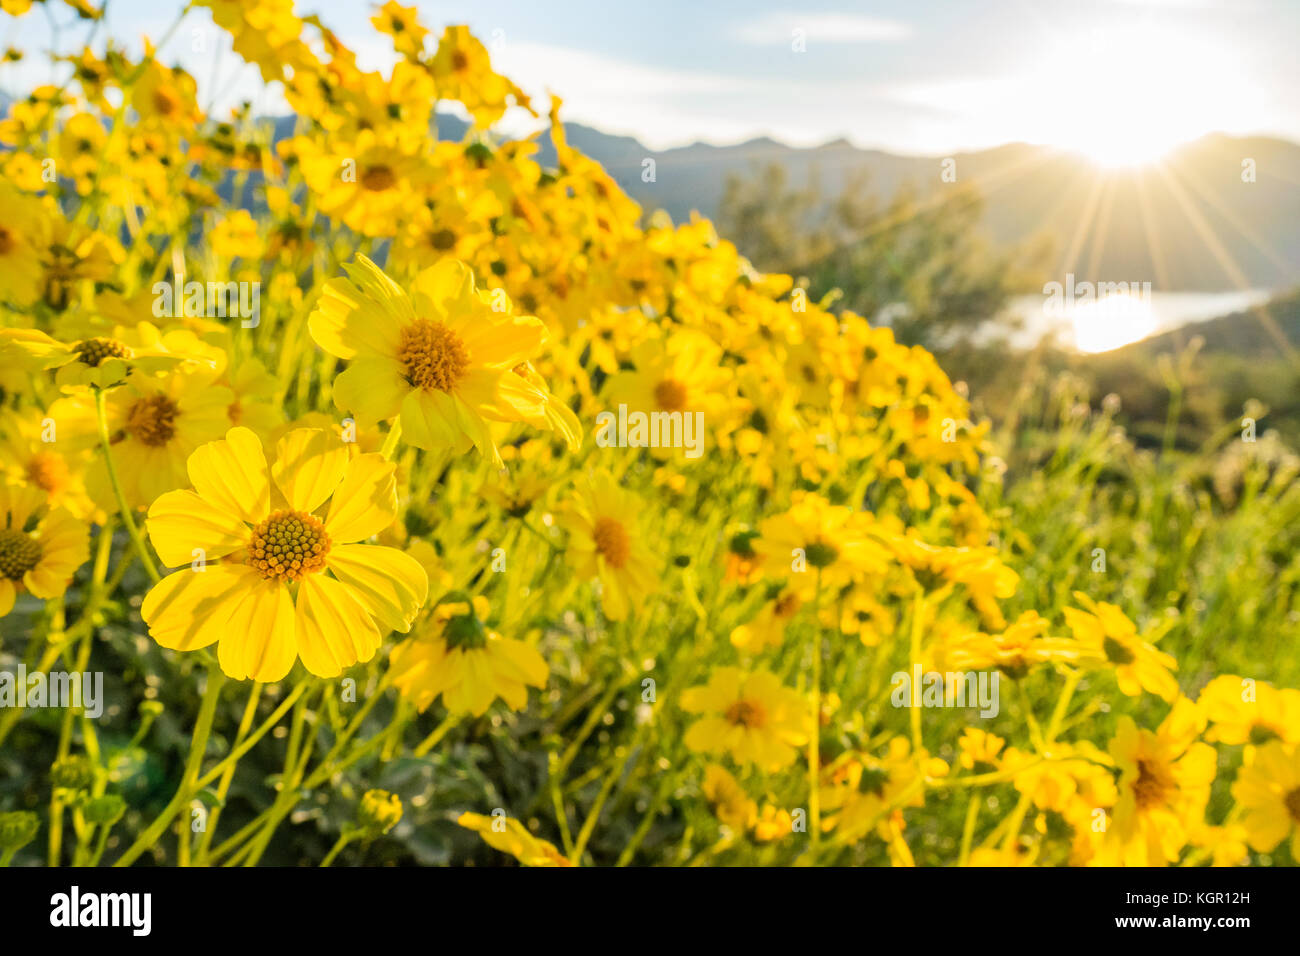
(154, 423)
(861, 793)
(276, 576)
(457, 656)
(727, 797)
(1242, 711)
(40, 548)
(509, 836)
(815, 539)
(1015, 651)
(441, 359)
(1164, 785)
(750, 716)
(1107, 637)
(604, 543)
(1267, 789)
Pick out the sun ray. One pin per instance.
(1224, 258)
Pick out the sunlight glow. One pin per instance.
(1128, 97)
(1111, 322)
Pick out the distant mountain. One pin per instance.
(1190, 224)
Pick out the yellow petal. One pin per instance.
(309, 464)
(259, 641)
(390, 583)
(365, 502)
(371, 389)
(180, 522)
(189, 609)
(231, 474)
(429, 421)
(334, 630)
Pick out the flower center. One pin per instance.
(442, 239)
(820, 554)
(433, 355)
(6, 241)
(153, 420)
(612, 541)
(1116, 652)
(47, 471)
(1292, 801)
(459, 61)
(746, 713)
(93, 351)
(787, 605)
(670, 395)
(165, 101)
(378, 178)
(1151, 787)
(19, 553)
(288, 545)
(873, 781)
(1262, 733)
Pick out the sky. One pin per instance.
(1124, 79)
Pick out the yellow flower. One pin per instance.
(773, 823)
(1107, 637)
(863, 792)
(457, 656)
(21, 243)
(1015, 651)
(1164, 785)
(462, 70)
(817, 539)
(30, 452)
(154, 424)
(979, 750)
(1267, 789)
(1250, 712)
(730, 803)
(403, 25)
(40, 547)
(236, 237)
(378, 812)
(509, 836)
(750, 716)
(274, 576)
(441, 357)
(604, 543)
(767, 629)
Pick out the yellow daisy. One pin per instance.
(750, 716)
(604, 544)
(40, 548)
(1107, 636)
(439, 359)
(273, 575)
(1268, 791)
(1164, 785)
(154, 424)
(458, 657)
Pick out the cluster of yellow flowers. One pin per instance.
(372, 450)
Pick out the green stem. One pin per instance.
(188, 787)
(128, 517)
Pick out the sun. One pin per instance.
(1126, 96)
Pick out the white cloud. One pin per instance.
(777, 28)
